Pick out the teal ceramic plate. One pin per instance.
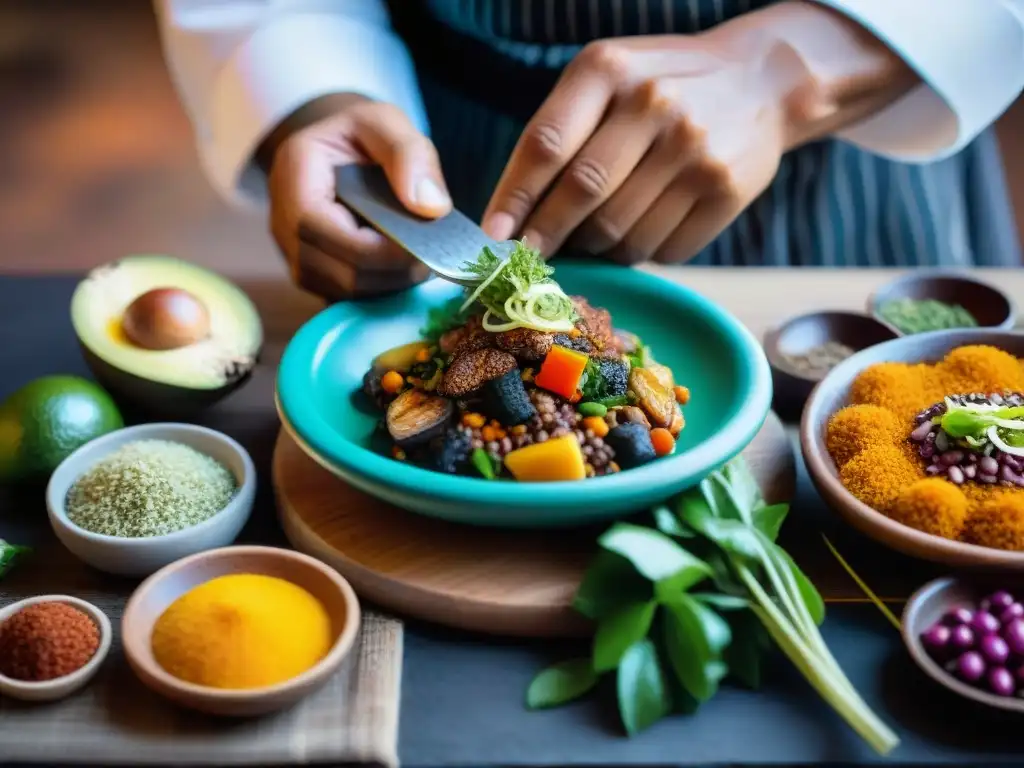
(709, 351)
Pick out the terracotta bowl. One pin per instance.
(926, 606)
(156, 593)
(60, 687)
(798, 335)
(833, 393)
(987, 304)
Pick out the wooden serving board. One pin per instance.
(497, 581)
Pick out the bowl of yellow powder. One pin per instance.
(134, 500)
(241, 630)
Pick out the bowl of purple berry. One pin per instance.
(969, 637)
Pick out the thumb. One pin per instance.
(408, 158)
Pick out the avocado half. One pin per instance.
(185, 371)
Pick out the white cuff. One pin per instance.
(287, 64)
(970, 56)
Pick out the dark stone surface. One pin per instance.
(462, 701)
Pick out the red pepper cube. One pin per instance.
(561, 370)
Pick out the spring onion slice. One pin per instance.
(480, 288)
(1002, 445)
(521, 311)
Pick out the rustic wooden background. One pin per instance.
(96, 159)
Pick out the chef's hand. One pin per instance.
(328, 252)
(648, 147)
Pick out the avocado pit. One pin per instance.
(166, 318)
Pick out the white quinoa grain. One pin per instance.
(149, 488)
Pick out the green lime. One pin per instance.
(46, 420)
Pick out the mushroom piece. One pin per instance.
(415, 417)
(630, 414)
(656, 401)
(663, 374)
(678, 422)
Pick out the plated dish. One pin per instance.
(324, 408)
(518, 380)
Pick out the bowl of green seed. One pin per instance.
(923, 301)
(137, 499)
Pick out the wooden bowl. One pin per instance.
(833, 393)
(926, 606)
(156, 593)
(798, 335)
(987, 304)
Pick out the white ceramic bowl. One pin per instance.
(58, 688)
(144, 556)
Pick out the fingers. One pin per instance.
(658, 223)
(594, 175)
(328, 253)
(302, 204)
(706, 221)
(407, 156)
(608, 225)
(552, 138)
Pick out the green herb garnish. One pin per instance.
(444, 318)
(674, 621)
(642, 357)
(593, 384)
(518, 292)
(11, 555)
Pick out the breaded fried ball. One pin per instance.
(980, 368)
(897, 387)
(932, 505)
(998, 523)
(858, 427)
(878, 474)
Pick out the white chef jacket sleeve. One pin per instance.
(969, 55)
(242, 66)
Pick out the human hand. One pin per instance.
(328, 252)
(648, 147)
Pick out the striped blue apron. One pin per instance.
(486, 65)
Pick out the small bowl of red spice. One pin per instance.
(50, 646)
